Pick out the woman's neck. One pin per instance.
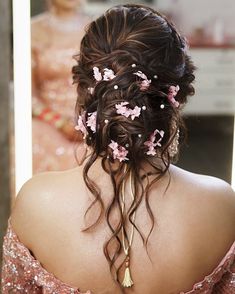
(63, 14)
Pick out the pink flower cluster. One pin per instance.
(119, 152)
(124, 110)
(152, 143)
(108, 75)
(173, 90)
(145, 83)
(91, 123)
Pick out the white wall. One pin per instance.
(201, 13)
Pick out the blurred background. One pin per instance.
(56, 30)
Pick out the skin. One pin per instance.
(195, 222)
(64, 8)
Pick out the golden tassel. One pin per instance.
(127, 281)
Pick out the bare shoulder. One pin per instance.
(41, 201)
(209, 205)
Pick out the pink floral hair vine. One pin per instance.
(173, 91)
(126, 111)
(119, 152)
(108, 74)
(152, 143)
(145, 83)
(82, 123)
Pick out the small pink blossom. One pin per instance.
(80, 125)
(144, 85)
(151, 144)
(119, 152)
(124, 110)
(135, 112)
(91, 121)
(97, 74)
(173, 90)
(108, 74)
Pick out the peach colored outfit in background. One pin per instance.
(54, 43)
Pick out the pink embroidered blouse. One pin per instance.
(22, 273)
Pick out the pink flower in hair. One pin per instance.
(119, 152)
(173, 90)
(81, 126)
(91, 121)
(135, 112)
(152, 143)
(124, 110)
(108, 74)
(97, 74)
(144, 85)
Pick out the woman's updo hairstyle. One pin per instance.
(128, 39)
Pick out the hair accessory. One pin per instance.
(115, 87)
(133, 65)
(91, 121)
(124, 110)
(144, 107)
(155, 77)
(97, 74)
(81, 126)
(127, 281)
(162, 106)
(106, 121)
(119, 152)
(108, 74)
(139, 135)
(145, 83)
(151, 144)
(173, 90)
(173, 148)
(91, 90)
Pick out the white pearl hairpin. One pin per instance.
(144, 107)
(155, 77)
(106, 121)
(139, 135)
(115, 87)
(127, 145)
(162, 106)
(133, 65)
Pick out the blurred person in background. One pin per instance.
(56, 36)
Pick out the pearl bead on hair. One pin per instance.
(133, 65)
(162, 106)
(115, 87)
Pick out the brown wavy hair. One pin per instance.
(122, 36)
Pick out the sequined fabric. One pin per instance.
(22, 273)
(52, 60)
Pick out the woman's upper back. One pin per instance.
(194, 229)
